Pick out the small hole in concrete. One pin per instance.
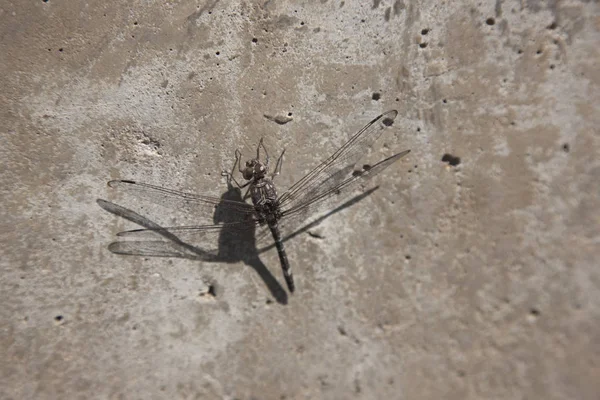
(539, 51)
(218, 53)
(423, 45)
(212, 290)
(289, 114)
(254, 40)
(552, 25)
(490, 21)
(315, 235)
(209, 291)
(534, 312)
(58, 318)
(451, 160)
(424, 31)
(407, 257)
(566, 148)
(376, 96)
(445, 101)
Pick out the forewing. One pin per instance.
(299, 219)
(159, 248)
(217, 242)
(335, 169)
(220, 242)
(194, 205)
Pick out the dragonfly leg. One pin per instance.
(238, 159)
(230, 179)
(261, 144)
(247, 194)
(278, 165)
(229, 175)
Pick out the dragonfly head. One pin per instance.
(254, 170)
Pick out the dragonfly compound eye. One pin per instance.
(248, 173)
(259, 170)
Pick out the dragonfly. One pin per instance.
(268, 212)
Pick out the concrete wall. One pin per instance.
(469, 276)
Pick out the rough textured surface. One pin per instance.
(472, 277)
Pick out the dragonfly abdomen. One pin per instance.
(285, 264)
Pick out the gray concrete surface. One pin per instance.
(471, 281)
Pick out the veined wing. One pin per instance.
(295, 226)
(335, 193)
(298, 218)
(161, 248)
(189, 233)
(189, 202)
(335, 169)
(216, 242)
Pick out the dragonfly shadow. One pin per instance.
(234, 245)
(241, 231)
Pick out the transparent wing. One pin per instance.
(298, 219)
(191, 204)
(323, 198)
(225, 242)
(158, 248)
(335, 169)
(295, 226)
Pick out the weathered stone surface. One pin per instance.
(471, 273)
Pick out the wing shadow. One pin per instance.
(233, 245)
(317, 221)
